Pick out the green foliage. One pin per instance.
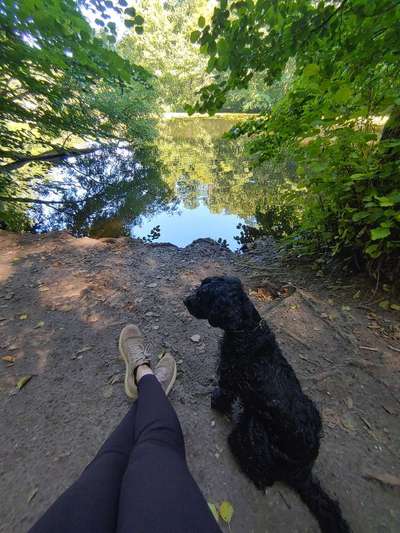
(346, 81)
(51, 64)
(61, 84)
(166, 50)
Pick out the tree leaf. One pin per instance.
(139, 20)
(8, 358)
(194, 36)
(214, 510)
(343, 94)
(379, 233)
(130, 11)
(201, 23)
(373, 250)
(310, 70)
(226, 511)
(23, 381)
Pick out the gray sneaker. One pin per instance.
(165, 372)
(133, 352)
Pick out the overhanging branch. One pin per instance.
(51, 156)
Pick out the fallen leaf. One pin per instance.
(349, 403)
(226, 511)
(395, 307)
(9, 358)
(347, 423)
(386, 479)
(195, 338)
(389, 409)
(117, 378)
(32, 494)
(84, 349)
(365, 422)
(43, 289)
(214, 510)
(24, 316)
(23, 381)
(40, 324)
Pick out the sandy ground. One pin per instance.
(63, 302)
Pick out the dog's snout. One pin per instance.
(189, 301)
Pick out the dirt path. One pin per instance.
(63, 302)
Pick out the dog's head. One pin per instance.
(223, 302)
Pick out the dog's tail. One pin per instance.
(325, 509)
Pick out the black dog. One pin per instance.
(278, 434)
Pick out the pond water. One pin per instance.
(192, 184)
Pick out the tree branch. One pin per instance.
(30, 200)
(325, 22)
(51, 156)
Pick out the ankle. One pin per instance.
(141, 371)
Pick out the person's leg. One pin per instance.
(90, 505)
(158, 493)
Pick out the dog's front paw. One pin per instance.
(221, 401)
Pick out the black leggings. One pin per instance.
(138, 482)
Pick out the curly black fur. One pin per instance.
(278, 433)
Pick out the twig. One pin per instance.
(284, 499)
(393, 348)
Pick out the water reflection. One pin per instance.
(193, 184)
(105, 192)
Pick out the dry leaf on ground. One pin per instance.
(23, 381)
(226, 511)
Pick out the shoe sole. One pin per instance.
(130, 385)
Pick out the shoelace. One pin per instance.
(138, 349)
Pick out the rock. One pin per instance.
(195, 338)
(152, 285)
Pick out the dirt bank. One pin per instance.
(63, 302)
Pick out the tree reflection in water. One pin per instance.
(103, 193)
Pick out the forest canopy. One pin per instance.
(345, 86)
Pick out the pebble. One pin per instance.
(195, 338)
